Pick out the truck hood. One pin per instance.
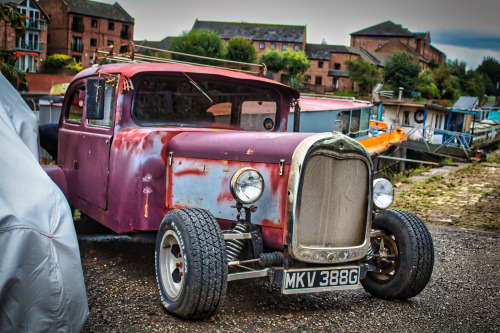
(258, 147)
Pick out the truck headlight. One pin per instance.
(247, 185)
(383, 193)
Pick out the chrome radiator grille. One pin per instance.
(333, 203)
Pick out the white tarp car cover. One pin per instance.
(41, 279)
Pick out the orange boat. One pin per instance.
(353, 118)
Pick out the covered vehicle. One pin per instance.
(41, 279)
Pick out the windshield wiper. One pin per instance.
(198, 87)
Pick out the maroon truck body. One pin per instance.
(147, 147)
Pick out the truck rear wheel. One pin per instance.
(407, 256)
(191, 264)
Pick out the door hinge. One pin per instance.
(170, 158)
(282, 166)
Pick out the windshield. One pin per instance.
(193, 100)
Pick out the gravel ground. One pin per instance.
(463, 294)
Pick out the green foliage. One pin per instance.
(273, 60)
(9, 14)
(363, 74)
(163, 54)
(148, 52)
(491, 68)
(241, 49)
(203, 42)
(426, 85)
(59, 63)
(345, 94)
(433, 64)
(447, 84)
(295, 63)
(400, 71)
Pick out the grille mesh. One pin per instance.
(333, 205)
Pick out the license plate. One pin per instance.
(296, 281)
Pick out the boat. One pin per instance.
(353, 118)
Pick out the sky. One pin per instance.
(467, 30)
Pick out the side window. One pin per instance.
(258, 115)
(109, 97)
(75, 107)
(221, 113)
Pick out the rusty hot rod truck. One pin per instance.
(202, 156)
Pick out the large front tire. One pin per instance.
(191, 264)
(406, 256)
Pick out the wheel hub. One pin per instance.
(172, 265)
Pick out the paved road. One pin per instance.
(463, 295)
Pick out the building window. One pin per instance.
(111, 25)
(273, 46)
(335, 83)
(262, 46)
(94, 24)
(319, 80)
(307, 78)
(284, 47)
(296, 47)
(125, 33)
(110, 42)
(78, 59)
(93, 42)
(336, 65)
(320, 64)
(77, 25)
(406, 117)
(76, 44)
(48, 38)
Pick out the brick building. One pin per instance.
(77, 27)
(328, 71)
(388, 37)
(264, 36)
(31, 47)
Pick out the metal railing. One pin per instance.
(449, 139)
(35, 24)
(22, 45)
(104, 54)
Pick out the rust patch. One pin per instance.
(190, 172)
(225, 197)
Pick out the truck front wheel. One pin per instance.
(403, 256)
(191, 264)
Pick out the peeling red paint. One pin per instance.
(190, 172)
(225, 197)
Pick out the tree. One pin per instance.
(491, 68)
(401, 71)
(10, 15)
(426, 85)
(197, 42)
(363, 74)
(295, 63)
(148, 52)
(448, 85)
(273, 60)
(241, 49)
(61, 63)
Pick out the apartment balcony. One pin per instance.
(125, 34)
(77, 27)
(33, 47)
(33, 24)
